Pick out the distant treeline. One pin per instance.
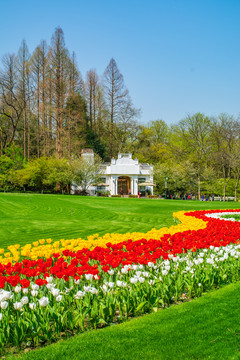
(48, 111)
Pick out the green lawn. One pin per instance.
(205, 328)
(25, 218)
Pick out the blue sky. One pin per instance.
(177, 56)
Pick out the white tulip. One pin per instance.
(4, 305)
(111, 272)
(146, 274)
(79, 295)
(34, 293)
(18, 305)
(49, 279)
(150, 264)
(17, 289)
(86, 288)
(93, 291)
(50, 286)
(44, 301)
(24, 300)
(25, 291)
(59, 298)
(32, 306)
(151, 282)
(133, 280)
(5, 295)
(88, 276)
(35, 287)
(104, 288)
(55, 292)
(119, 283)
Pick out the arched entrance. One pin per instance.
(124, 184)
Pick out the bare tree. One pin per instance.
(22, 65)
(75, 88)
(11, 102)
(115, 95)
(91, 86)
(59, 57)
(127, 125)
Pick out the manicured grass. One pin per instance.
(205, 328)
(25, 218)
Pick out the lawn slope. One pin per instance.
(25, 218)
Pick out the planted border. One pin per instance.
(46, 298)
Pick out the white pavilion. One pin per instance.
(123, 175)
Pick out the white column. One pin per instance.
(112, 186)
(136, 187)
(132, 186)
(116, 186)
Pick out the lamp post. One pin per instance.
(166, 187)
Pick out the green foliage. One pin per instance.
(43, 174)
(152, 143)
(93, 141)
(11, 161)
(180, 177)
(230, 216)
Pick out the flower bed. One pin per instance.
(48, 291)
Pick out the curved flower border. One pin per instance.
(46, 248)
(72, 287)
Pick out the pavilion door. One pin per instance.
(124, 184)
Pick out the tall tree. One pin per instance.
(36, 70)
(194, 135)
(75, 89)
(116, 95)
(11, 102)
(43, 86)
(59, 56)
(225, 137)
(91, 86)
(23, 64)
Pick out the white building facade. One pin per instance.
(124, 176)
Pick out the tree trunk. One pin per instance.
(199, 187)
(38, 117)
(236, 187)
